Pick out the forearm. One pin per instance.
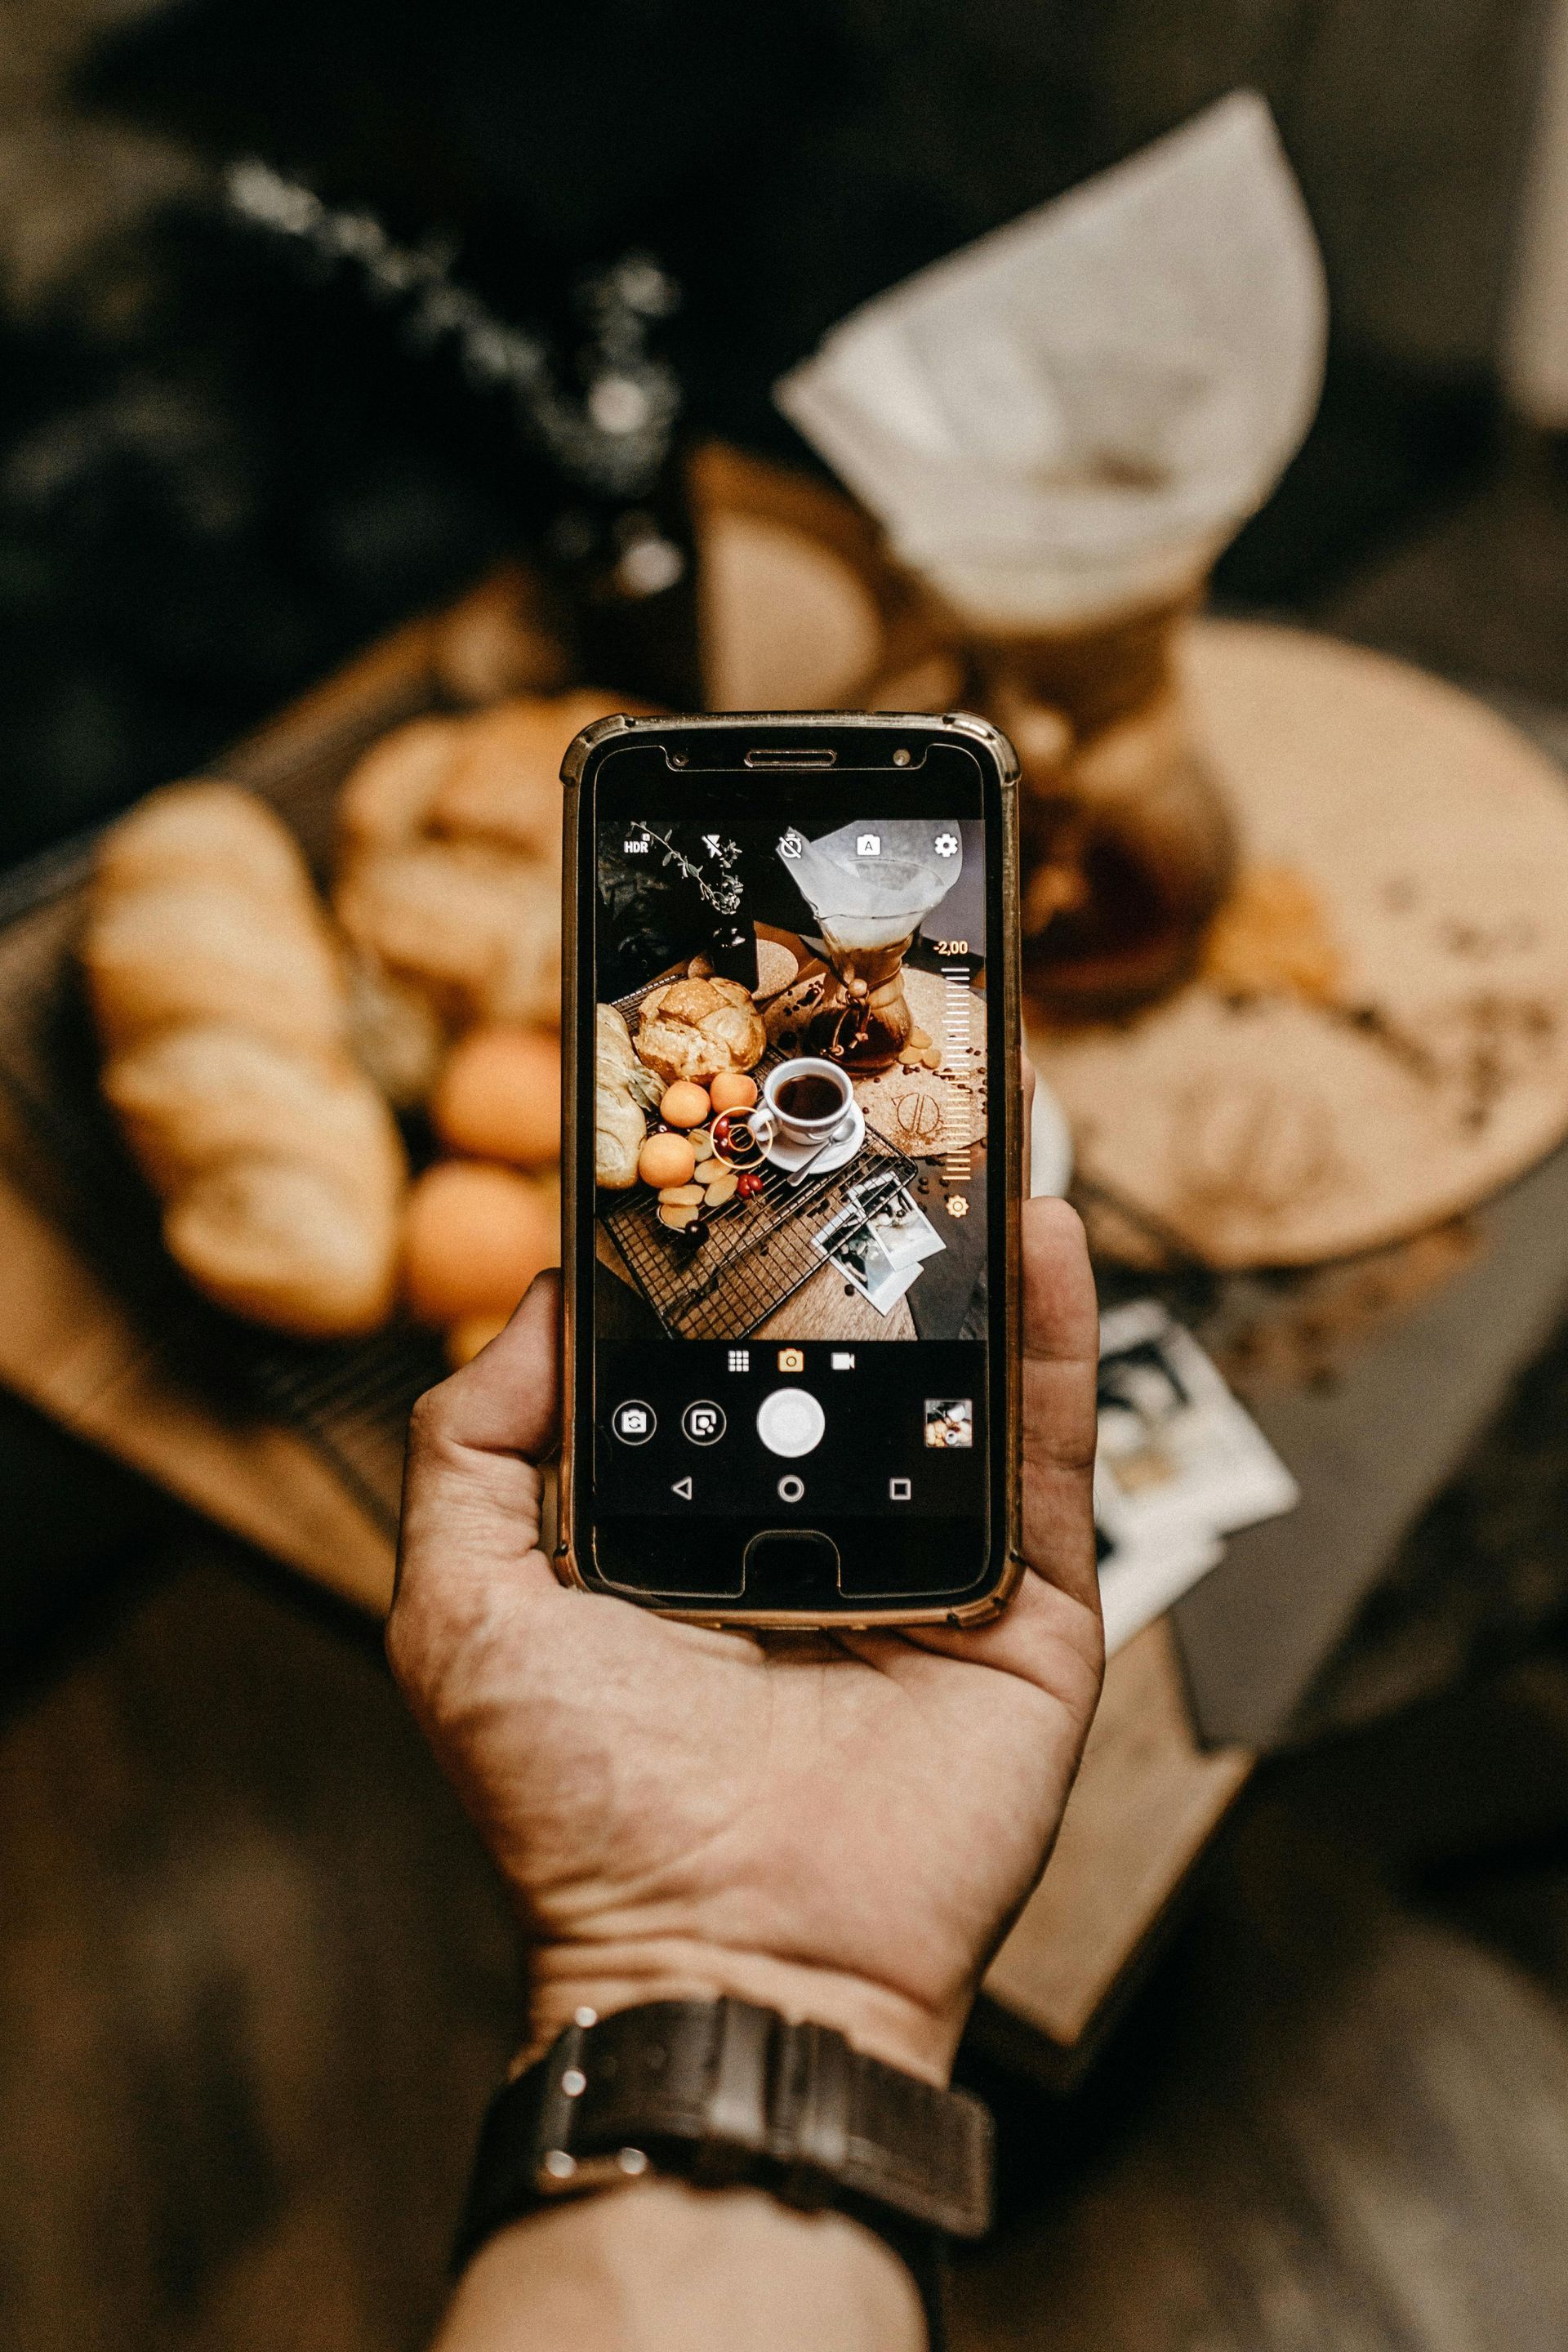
(664, 2268)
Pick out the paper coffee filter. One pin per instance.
(1079, 410)
(868, 899)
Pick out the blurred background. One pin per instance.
(255, 1978)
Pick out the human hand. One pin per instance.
(837, 1826)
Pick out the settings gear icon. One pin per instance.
(946, 844)
(957, 1207)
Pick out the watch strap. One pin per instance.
(722, 2092)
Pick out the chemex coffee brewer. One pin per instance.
(870, 887)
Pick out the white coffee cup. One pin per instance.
(793, 1126)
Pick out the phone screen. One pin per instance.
(794, 1203)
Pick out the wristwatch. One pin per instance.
(723, 2093)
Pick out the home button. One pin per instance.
(788, 1566)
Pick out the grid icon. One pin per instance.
(740, 1359)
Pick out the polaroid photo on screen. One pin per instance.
(906, 1233)
(851, 1242)
(1175, 1444)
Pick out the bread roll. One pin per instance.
(388, 797)
(449, 855)
(478, 927)
(695, 1028)
(220, 998)
(620, 1125)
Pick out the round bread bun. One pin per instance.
(504, 782)
(388, 795)
(499, 1096)
(695, 1028)
(478, 927)
(474, 1237)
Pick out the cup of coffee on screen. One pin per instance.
(807, 1100)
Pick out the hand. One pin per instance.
(840, 1827)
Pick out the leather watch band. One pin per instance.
(723, 2093)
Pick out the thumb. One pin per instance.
(471, 1486)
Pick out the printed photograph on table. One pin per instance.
(791, 1076)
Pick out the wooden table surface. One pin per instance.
(1151, 1790)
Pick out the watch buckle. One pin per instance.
(558, 2169)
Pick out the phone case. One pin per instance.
(1006, 1127)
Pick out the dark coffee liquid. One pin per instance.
(809, 1097)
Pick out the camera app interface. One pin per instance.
(790, 1160)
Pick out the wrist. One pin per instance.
(605, 1978)
(662, 2267)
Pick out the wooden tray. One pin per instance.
(772, 546)
(1432, 840)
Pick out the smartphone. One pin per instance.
(792, 1167)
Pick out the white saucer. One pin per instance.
(792, 1157)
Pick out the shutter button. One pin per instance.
(791, 1422)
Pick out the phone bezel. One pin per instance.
(719, 743)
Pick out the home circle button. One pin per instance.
(792, 1489)
(791, 1422)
